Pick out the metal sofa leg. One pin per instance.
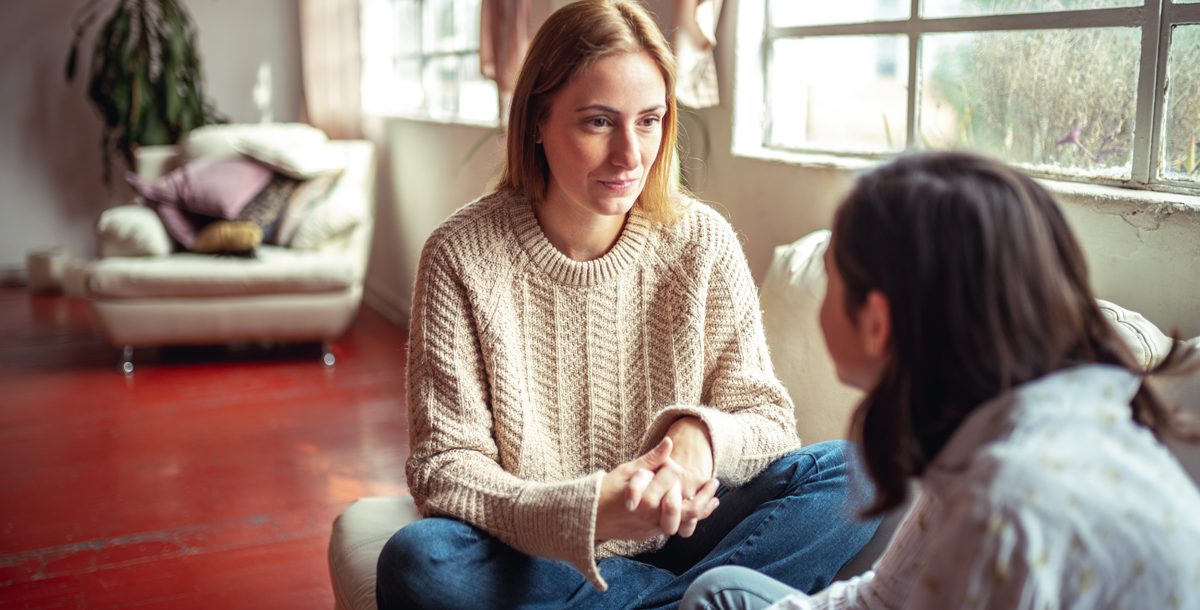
(127, 360)
(327, 356)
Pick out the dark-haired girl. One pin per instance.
(958, 300)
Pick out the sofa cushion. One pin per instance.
(329, 221)
(305, 199)
(239, 237)
(274, 271)
(226, 140)
(209, 188)
(791, 296)
(1146, 342)
(132, 230)
(300, 162)
(359, 534)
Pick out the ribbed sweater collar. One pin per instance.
(623, 255)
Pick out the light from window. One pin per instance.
(1182, 142)
(1058, 100)
(421, 58)
(1060, 87)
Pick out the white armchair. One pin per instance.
(145, 295)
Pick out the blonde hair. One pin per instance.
(572, 39)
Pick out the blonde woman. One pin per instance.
(593, 414)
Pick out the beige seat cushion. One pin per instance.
(359, 534)
(274, 271)
(791, 296)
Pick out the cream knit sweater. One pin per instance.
(531, 375)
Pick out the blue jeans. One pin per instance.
(796, 522)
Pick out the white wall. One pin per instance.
(50, 135)
(1144, 258)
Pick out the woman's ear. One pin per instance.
(875, 325)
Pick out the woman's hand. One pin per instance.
(646, 497)
(684, 486)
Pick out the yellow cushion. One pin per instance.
(228, 236)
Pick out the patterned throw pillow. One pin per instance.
(304, 200)
(267, 206)
(201, 191)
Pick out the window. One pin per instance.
(421, 58)
(1104, 90)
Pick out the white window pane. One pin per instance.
(958, 8)
(451, 25)
(1056, 100)
(855, 103)
(392, 86)
(785, 13)
(1181, 148)
(408, 26)
(441, 79)
(477, 95)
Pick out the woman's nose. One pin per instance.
(624, 151)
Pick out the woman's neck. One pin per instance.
(580, 237)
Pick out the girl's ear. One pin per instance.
(875, 325)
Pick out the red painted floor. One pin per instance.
(208, 479)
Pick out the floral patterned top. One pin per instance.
(1047, 497)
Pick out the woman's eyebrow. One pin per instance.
(610, 109)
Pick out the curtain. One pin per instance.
(695, 36)
(504, 36)
(332, 65)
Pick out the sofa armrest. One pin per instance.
(132, 230)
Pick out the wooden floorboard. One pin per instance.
(209, 478)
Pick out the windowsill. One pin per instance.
(418, 117)
(1097, 194)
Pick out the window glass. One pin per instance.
(1181, 154)
(962, 8)
(786, 13)
(1058, 100)
(421, 57)
(856, 103)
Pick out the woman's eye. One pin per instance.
(651, 121)
(599, 122)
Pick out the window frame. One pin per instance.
(1155, 18)
(425, 55)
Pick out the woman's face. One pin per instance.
(603, 133)
(848, 339)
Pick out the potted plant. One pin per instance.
(145, 76)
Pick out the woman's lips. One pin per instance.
(618, 186)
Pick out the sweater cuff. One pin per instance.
(723, 428)
(559, 522)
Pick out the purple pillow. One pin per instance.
(213, 188)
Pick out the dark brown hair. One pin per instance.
(572, 39)
(987, 290)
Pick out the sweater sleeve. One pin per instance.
(453, 469)
(745, 408)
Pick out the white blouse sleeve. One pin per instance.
(977, 559)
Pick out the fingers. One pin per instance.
(656, 457)
(699, 507)
(672, 510)
(637, 487)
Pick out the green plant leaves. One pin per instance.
(145, 78)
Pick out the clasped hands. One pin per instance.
(667, 490)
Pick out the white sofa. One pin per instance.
(791, 297)
(145, 295)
